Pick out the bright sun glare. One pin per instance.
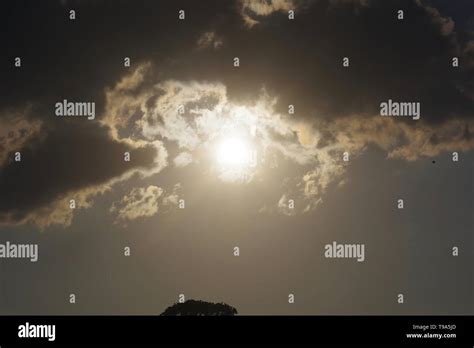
(234, 153)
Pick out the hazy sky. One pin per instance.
(218, 157)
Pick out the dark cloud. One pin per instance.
(300, 60)
(79, 155)
(77, 59)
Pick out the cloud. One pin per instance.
(154, 110)
(354, 135)
(400, 139)
(284, 205)
(198, 115)
(306, 69)
(142, 111)
(251, 10)
(445, 24)
(15, 132)
(207, 115)
(282, 62)
(78, 160)
(58, 212)
(209, 39)
(172, 200)
(195, 115)
(183, 159)
(142, 202)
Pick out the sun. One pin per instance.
(236, 158)
(234, 152)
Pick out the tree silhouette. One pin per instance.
(193, 307)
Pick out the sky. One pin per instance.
(246, 128)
